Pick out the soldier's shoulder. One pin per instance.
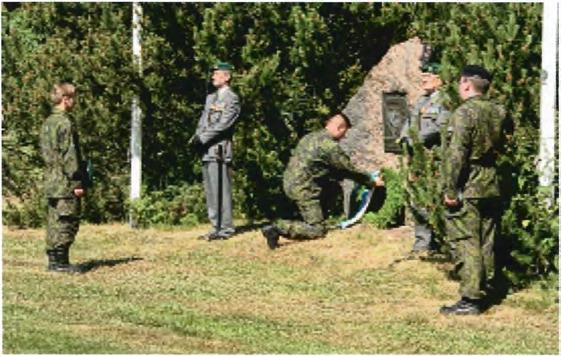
(230, 92)
(58, 119)
(315, 138)
(486, 104)
(310, 136)
(466, 113)
(498, 107)
(465, 108)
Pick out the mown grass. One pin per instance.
(164, 291)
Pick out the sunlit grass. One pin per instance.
(164, 291)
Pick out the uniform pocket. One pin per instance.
(67, 207)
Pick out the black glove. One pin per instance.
(196, 144)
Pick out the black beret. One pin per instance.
(475, 70)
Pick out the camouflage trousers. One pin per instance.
(63, 222)
(312, 225)
(470, 230)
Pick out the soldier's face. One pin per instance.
(220, 78)
(337, 127)
(430, 82)
(464, 88)
(68, 102)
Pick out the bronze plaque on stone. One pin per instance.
(396, 114)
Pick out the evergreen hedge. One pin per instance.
(294, 63)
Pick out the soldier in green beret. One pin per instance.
(63, 178)
(317, 156)
(213, 141)
(471, 187)
(428, 118)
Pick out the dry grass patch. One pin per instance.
(164, 291)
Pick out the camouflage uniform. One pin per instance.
(471, 177)
(61, 153)
(316, 157)
(428, 118)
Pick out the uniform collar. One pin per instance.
(326, 133)
(435, 94)
(220, 92)
(474, 97)
(57, 110)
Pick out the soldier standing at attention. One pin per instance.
(316, 156)
(471, 187)
(213, 140)
(428, 118)
(63, 178)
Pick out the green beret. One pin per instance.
(223, 66)
(430, 67)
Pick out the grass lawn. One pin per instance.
(164, 291)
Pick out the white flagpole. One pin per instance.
(550, 24)
(136, 112)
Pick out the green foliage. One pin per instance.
(88, 45)
(175, 205)
(505, 39)
(390, 212)
(422, 174)
(185, 296)
(294, 63)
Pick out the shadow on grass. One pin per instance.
(249, 227)
(94, 264)
(239, 230)
(497, 291)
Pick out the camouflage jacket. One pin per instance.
(476, 139)
(61, 153)
(317, 157)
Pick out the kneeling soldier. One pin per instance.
(316, 156)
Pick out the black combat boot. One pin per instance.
(208, 236)
(464, 306)
(53, 264)
(272, 234)
(58, 260)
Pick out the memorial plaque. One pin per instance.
(396, 113)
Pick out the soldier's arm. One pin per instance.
(339, 160)
(227, 119)
(68, 154)
(457, 151)
(204, 115)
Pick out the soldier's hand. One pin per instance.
(378, 182)
(450, 202)
(196, 144)
(79, 192)
(194, 140)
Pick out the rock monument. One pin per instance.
(397, 73)
(388, 93)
